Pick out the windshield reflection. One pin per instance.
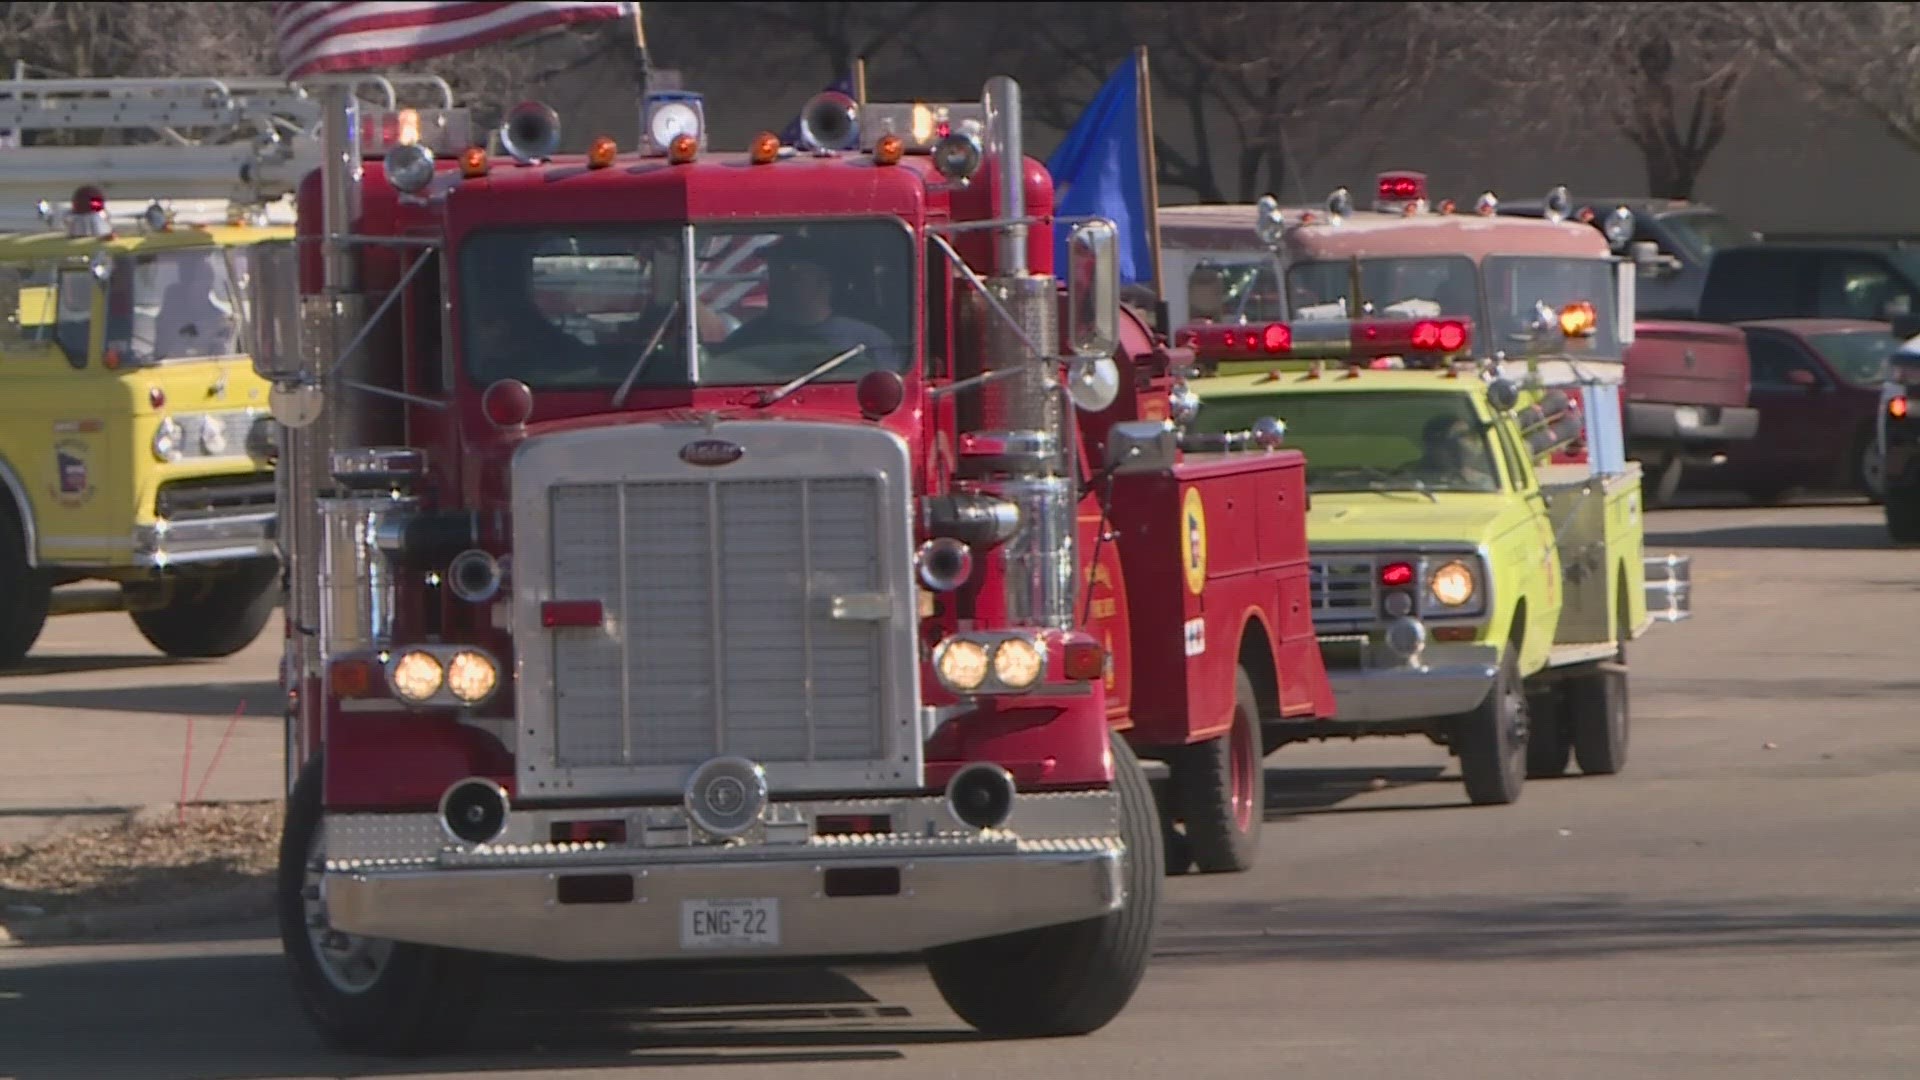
(588, 307)
(1372, 441)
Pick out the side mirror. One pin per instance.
(275, 326)
(1803, 377)
(1141, 446)
(1093, 382)
(1093, 288)
(1503, 395)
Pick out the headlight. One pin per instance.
(962, 664)
(1017, 663)
(213, 436)
(166, 440)
(1452, 584)
(416, 676)
(471, 677)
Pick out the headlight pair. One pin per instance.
(455, 675)
(979, 664)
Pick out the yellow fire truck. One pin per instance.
(136, 445)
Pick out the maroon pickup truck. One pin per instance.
(1688, 390)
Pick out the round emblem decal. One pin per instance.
(1193, 542)
(726, 796)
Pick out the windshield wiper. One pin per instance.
(640, 364)
(768, 397)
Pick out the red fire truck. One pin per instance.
(712, 557)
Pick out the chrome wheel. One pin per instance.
(352, 964)
(1873, 470)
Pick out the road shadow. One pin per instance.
(199, 699)
(1303, 792)
(181, 1017)
(1488, 928)
(1812, 535)
(87, 664)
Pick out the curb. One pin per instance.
(237, 904)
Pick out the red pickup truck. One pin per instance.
(1688, 400)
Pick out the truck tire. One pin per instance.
(1492, 739)
(1596, 707)
(1869, 467)
(1219, 789)
(1074, 979)
(1176, 853)
(1903, 513)
(361, 993)
(25, 593)
(1549, 742)
(213, 614)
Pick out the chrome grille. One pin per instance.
(1343, 588)
(718, 591)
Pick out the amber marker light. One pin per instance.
(473, 162)
(888, 150)
(683, 149)
(765, 148)
(602, 152)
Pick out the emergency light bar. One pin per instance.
(1395, 191)
(920, 124)
(1350, 340)
(446, 132)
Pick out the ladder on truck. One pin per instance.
(210, 150)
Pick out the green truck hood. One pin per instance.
(1388, 517)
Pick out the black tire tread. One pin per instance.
(1202, 785)
(1490, 777)
(214, 619)
(1074, 979)
(424, 1002)
(26, 593)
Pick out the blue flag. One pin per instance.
(1098, 171)
(790, 135)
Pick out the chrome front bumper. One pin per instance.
(1444, 680)
(398, 876)
(226, 538)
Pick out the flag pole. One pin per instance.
(1149, 165)
(641, 72)
(860, 81)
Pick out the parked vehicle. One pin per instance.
(1811, 281)
(1817, 385)
(833, 635)
(1900, 438)
(1672, 241)
(1688, 407)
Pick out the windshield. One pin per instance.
(183, 304)
(1517, 285)
(1235, 292)
(1858, 356)
(1703, 232)
(580, 308)
(1412, 288)
(1369, 441)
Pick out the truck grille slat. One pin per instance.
(1342, 588)
(725, 642)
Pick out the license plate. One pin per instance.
(729, 924)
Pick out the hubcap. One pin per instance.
(1242, 761)
(352, 964)
(1517, 719)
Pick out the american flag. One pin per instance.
(318, 38)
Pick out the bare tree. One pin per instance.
(1662, 76)
(1857, 57)
(1261, 88)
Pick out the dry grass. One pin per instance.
(215, 847)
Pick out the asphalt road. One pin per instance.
(1743, 902)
